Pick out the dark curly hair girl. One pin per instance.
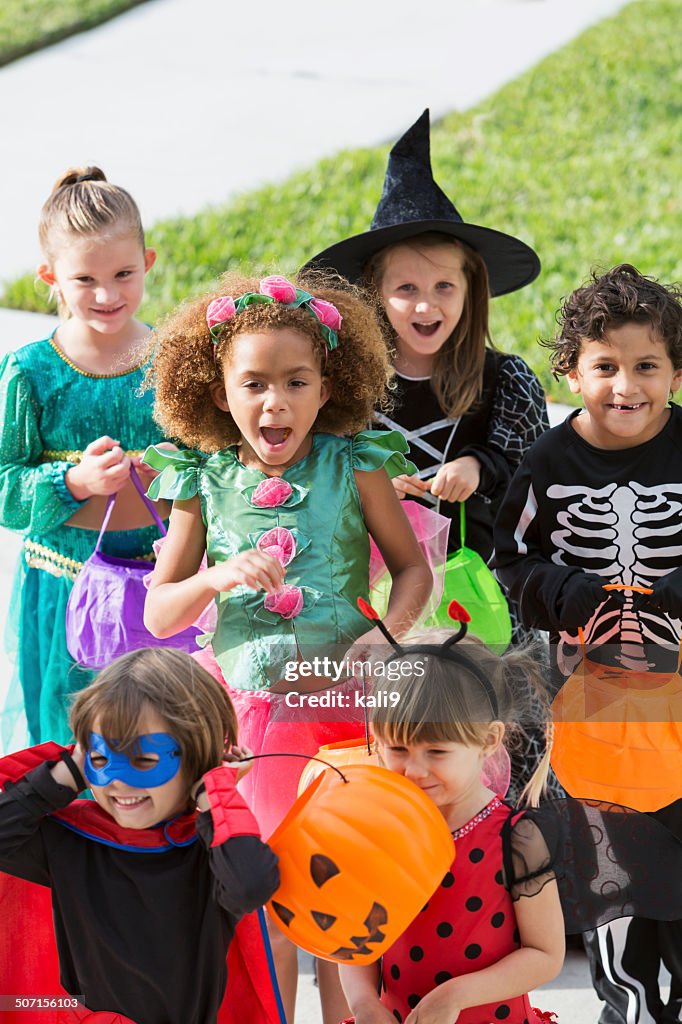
(186, 361)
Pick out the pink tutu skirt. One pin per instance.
(269, 725)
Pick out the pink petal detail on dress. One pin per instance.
(271, 492)
(279, 543)
(287, 602)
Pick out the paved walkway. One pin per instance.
(187, 104)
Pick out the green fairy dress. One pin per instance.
(49, 412)
(311, 520)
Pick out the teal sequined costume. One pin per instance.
(49, 412)
(312, 515)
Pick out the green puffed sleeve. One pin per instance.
(178, 471)
(33, 494)
(374, 449)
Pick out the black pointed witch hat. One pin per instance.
(411, 204)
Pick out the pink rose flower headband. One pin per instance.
(276, 289)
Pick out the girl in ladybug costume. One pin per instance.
(494, 928)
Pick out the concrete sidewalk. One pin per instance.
(186, 104)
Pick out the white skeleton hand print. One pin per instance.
(629, 534)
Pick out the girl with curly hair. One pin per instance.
(270, 383)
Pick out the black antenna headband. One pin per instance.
(444, 651)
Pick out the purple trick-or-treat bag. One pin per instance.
(104, 614)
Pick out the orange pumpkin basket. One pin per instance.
(618, 733)
(352, 877)
(338, 755)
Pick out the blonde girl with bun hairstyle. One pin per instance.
(72, 423)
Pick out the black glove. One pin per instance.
(666, 597)
(580, 595)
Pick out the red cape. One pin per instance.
(29, 965)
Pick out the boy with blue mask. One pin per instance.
(150, 879)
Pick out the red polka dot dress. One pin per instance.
(467, 925)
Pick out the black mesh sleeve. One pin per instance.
(608, 861)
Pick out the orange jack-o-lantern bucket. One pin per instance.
(338, 755)
(352, 876)
(618, 735)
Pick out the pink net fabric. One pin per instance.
(431, 530)
(267, 725)
(497, 772)
(207, 620)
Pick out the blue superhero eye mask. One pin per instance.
(123, 768)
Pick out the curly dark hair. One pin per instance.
(185, 362)
(620, 296)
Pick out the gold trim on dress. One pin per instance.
(86, 373)
(75, 456)
(38, 556)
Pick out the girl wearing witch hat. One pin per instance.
(470, 413)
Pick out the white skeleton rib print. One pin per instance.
(629, 534)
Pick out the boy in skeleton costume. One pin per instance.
(598, 501)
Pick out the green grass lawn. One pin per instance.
(29, 25)
(580, 157)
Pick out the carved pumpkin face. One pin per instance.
(618, 736)
(352, 875)
(339, 755)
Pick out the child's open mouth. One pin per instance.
(426, 330)
(626, 408)
(108, 312)
(275, 436)
(127, 803)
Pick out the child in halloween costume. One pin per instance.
(267, 376)
(161, 885)
(71, 425)
(258, 379)
(469, 413)
(494, 927)
(476, 948)
(595, 503)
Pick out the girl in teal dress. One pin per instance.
(272, 383)
(72, 422)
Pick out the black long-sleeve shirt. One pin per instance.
(497, 431)
(616, 513)
(142, 933)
